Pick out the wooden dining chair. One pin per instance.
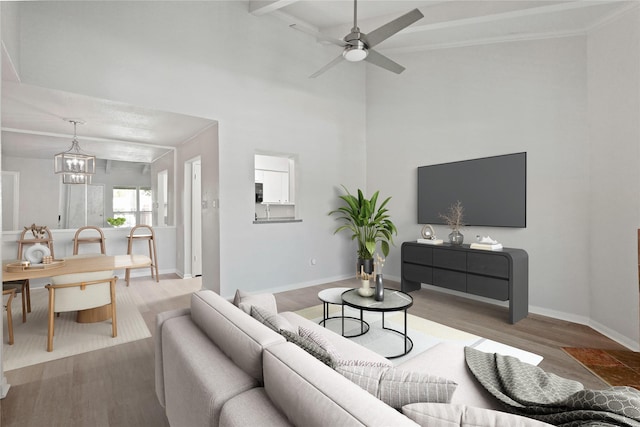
(146, 233)
(81, 291)
(96, 238)
(7, 307)
(21, 287)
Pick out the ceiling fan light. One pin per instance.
(355, 54)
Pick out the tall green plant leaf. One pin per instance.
(368, 223)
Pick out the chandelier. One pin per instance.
(73, 163)
(76, 178)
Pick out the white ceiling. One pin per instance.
(446, 23)
(35, 125)
(34, 119)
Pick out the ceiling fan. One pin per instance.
(358, 46)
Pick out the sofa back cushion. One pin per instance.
(238, 335)
(311, 394)
(449, 415)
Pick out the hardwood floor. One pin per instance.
(116, 386)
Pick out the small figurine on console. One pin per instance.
(38, 231)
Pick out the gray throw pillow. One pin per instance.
(310, 347)
(274, 321)
(398, 387)
(320, 340)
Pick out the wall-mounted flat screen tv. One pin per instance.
(492, 190)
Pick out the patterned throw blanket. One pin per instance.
(529, 391)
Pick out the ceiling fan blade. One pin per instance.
(382, 61)
(318, 35)
(326, 67)
(380, 34)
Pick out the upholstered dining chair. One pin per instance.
(7, 307)
(81, 291)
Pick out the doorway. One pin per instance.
(193, 216)
(196, 220)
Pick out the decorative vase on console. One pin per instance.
(365, 290)
(379, 289)
(456, 237)
(454, 220)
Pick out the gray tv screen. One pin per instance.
(492, 190)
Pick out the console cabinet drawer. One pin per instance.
(488, 264)
(452, 259)
(488, 287)
(417, 255)
(500, 275)
(417, 273)
(454, 280)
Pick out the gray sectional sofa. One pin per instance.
(216, 365)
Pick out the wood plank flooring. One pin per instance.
(116, 386)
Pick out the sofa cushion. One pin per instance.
(273, 321)
(346, 349)
(398, 387)
(251, 408)
(160, 319)
(311, 394)
(442, 415)
(244, 301)
(310, 347)
(320, 340)
(199, 377)
(447, 360)
(239, 336)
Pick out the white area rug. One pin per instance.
(30, 338)
(424, 334)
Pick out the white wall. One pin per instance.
(215, 60)
(11, 34)
(481, 101)
(39, 193)
(531, 96)
(614, 132)
(166, 162)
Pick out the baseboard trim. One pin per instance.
(555, 314)
(293, 286)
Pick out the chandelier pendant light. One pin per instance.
(76, 178)
(74, 161)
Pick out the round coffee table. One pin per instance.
(394, 300)
(334, 296)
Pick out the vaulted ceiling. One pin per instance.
(33, 118)
(447, 23)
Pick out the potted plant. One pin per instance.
(454, 220)
(116, 222)
(368, 223)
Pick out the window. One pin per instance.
(275, 180)
(134, 204)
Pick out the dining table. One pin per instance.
(77, 264)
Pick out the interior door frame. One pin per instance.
(188, 211)
(196, 218)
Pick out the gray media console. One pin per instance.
(502, 275)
